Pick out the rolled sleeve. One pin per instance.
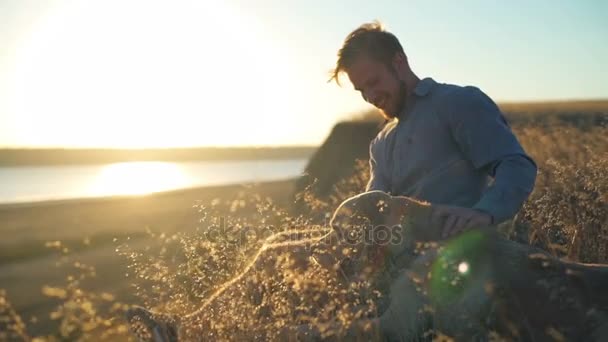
(514, 180)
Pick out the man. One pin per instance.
(445, 144)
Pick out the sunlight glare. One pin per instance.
(137, 178)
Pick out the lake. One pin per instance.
(38, 183)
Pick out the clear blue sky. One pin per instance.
(135, 73)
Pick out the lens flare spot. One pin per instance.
(463, 267)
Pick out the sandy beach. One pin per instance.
(90, 229)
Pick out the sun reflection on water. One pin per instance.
(138, 178)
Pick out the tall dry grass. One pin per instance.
(567, 214)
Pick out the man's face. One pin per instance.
(378, 84)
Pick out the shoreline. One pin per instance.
(33, 223)
(103, 199)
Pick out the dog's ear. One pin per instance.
(418, 222)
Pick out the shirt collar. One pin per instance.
(424, 86)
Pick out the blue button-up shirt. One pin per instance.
(453, 146)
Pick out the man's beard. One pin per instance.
(401, 101)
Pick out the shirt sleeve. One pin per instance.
(514, 180)
(376, 180)
(485, 138)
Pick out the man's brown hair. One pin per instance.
(370, 39)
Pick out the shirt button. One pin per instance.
(410, 140)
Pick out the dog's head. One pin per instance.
(370, 226)
(375, 212)
(360, 215)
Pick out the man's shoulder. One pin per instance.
(453, 93)
(450, 99)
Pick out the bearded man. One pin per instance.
(445, 144)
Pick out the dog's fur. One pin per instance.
(515, 290)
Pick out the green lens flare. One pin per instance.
(456, 267)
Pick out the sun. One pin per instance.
(148, 74)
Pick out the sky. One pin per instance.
(181, 73)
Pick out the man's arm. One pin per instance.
(376, 178)
(483, 135)
(514, 178)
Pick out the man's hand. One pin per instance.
(459, 219)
